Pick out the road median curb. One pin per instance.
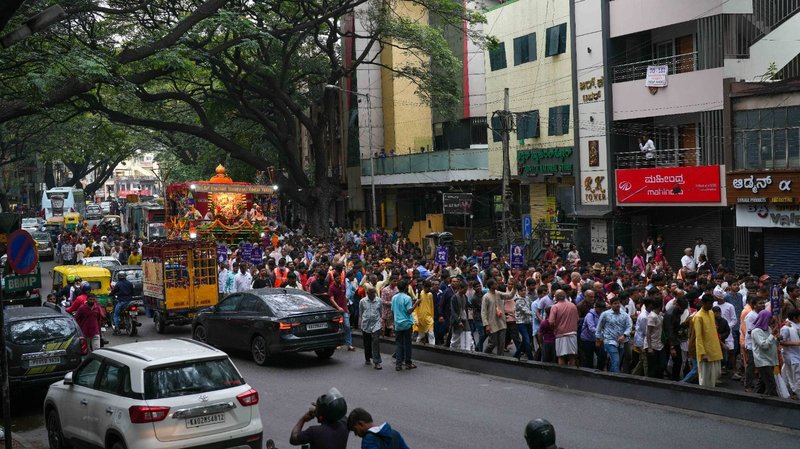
(731, 404)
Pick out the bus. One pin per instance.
(60, 200)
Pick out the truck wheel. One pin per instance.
(161, 326)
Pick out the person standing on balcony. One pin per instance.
(648, 149)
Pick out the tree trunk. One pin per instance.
(49, 177)
(318, 209)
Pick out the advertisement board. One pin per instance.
(153, 283)
(669, 185)
(768, 216)
(657, 76)
(457, 203)
(752, 187)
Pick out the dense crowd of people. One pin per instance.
(694, 323)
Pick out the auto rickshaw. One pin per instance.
(72, 221)
(436, 239)
(98, 277)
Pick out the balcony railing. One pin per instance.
(472, 159)
(676, 157)
(686, 62)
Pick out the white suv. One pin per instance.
(163, 394)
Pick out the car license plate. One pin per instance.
(315, 326)
(44, 361)
(206, 420)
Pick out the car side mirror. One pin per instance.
(68, 378)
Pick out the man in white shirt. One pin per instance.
(243, 279)
(223, 279)
(687, 261)
(80, 248)
(647, 147)
(699, 248)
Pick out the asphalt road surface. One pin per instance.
(439, 407)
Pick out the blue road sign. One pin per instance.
(22, 254)
(442, 255)
(517, 257)
(527, 227)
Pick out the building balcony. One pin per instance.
(428, 168)
(675, 157)
(688, 90)
(638, 70)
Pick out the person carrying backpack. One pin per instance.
(372, 436)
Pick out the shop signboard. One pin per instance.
(669, 185)
(763, 187)
(768, 216)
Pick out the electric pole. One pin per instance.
(506, 120)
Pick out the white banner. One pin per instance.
(768, 216)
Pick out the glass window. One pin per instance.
(793, 116)
(289, 303)
(751, 142)
(752, 119)
(525, 49)
(558, 121)
(738, 148)
(229, 304)
(190, 378)
(766, 149)
(556, 40)
(251, 304)
(740, 120)
(497, 57)
(779, 117)
(497, 128)
(793, 147)
(112, 378)
(779, 148)
(766, 120)
(86, 375)
(528, 125)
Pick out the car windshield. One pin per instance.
(191, 377)
(30, 222)
(40, 330)
(41, 236)
(131, 275)
(105, 263)
(287, 304)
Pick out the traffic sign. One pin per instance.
(527, 227)
(22, 254)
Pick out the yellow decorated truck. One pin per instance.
(180, 278)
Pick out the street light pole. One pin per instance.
(369, 143)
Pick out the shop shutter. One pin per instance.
(781, 251)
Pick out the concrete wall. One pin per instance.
(537, 85)
(696, 91)
(368, 81)
(633, 16)
(407, 122)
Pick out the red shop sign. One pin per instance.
(669, 185)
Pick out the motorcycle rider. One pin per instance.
(80, 297)
(123, 292)
(330, 410)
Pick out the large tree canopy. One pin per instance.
(244, 76)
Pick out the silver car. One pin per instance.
(46, 250)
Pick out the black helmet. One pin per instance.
(331, 406)
(121, 275)
(540, 434)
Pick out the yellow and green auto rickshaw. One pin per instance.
(98, 277)
(72, 221)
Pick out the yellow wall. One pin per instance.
(406, 122)
(537, 85)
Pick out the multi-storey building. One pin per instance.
(665, 72)
(532, 59)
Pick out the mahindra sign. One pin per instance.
(669, 185)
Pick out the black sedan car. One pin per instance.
(269, 321)
(43, 345)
